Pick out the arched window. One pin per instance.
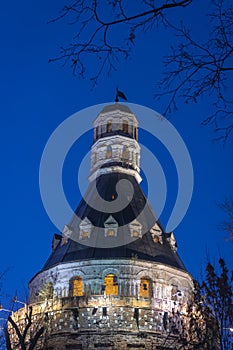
(109, 152)
(136, 133)
(125, 153)
(125, 126)
(111, 284)
(109, 126)
(145, 287)
(76, 286)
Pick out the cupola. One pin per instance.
(115, 147)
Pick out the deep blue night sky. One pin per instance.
(36, 96)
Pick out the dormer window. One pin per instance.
(156, 234)
(109, 152)
(66, 234)
(109, 126)
(135, 229)
(172, 242)
(85, 229)
(111, 226)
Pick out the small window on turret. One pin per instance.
(109, 152)
(109, 126)
(125, 154)
(97, 132)
(125, 126)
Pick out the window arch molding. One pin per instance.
(145, 273)
(110, 271)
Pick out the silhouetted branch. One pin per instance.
(29, 323)
(197, 69)
(95, 24)
(36, 338)
(227, 225)
(19, 335)
(7, 339)
(25, 342)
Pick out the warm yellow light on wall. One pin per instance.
(76, 287)
(145, 287)
(111, 284)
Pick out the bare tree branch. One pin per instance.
(227, 225)
(106, 32)
(25, 342)
(95, 28)
(200, 69)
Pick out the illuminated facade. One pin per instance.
(114, 279)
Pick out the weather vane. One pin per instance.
(120, 94)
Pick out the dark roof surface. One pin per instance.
(138, 207)
(116, 106)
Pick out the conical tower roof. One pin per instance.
(151, 246)
(85, 237)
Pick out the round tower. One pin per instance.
(114, 279)
(115, 147)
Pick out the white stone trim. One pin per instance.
(114, 169)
